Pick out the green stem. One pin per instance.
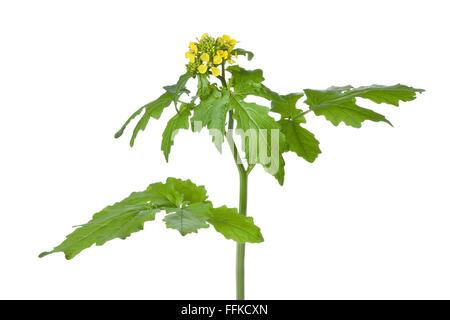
(302, 114)
(243, 185)
(240, 247)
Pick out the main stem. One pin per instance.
(243, 185)
(240, 247)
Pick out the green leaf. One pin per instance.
(155, 108)
(256, 128)
(119, 220)
(180, 87)
(287, 107)
(212, 112)
(129, 215)
(385, 94)
(249, 82)
(338, 104)
(178, 121)
(234, 226)
(188, 219)
(300, 140)
(134, 115)
(191, 193)
(203, 88)
(279, 175)
(337, 107)
(152, 110)
(241, 76)
(187, 207)
(242, 52)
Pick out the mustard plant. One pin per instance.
(220, 105)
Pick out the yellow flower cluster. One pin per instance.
(208, 54)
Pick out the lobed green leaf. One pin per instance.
(187, 208)
(338, 104)
(188, 219)
(385, 94)
(212, 113)
(179, 88)
(235, 226)
(155, 108)
(338, 108)
(287, 107)
(300, 140)
(203, 87)
(249, 82)
(256, 127)
(178, 121)
(242, 52)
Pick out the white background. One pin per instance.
(369, 219)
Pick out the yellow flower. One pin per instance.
(215, 71)
(193, 47)
(202, 68)
(217, 60)
(204, 57)
(222, 54)
(190, 55)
